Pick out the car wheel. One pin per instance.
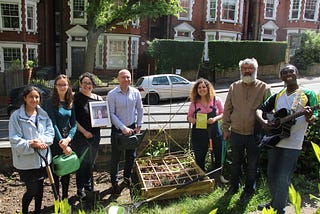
(152, 99)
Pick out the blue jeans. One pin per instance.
(115, 158)
(245, 152)
(281, 165)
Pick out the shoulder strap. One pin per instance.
(278, 95)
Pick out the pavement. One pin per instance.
(220, 86)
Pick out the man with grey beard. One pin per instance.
(244, 97)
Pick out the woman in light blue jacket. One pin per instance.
(30, 129)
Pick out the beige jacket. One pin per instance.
(240, 106)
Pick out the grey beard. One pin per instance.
(248, 79)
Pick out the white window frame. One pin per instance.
(80, 21)
(291, 8)
(274, 9)
(208, 34)
(270, 25)
(236, 11)
(184, 27)
(119, 38)
(19, 46)
(100, 52)
(35, 47)
(33, 4)
(189, 15)
(316, 11)
(209, 9)
(231, 35)
(134, 52)
(271, 37)
(15, 2)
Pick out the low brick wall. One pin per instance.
(176, 138)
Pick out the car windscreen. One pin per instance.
(139, 82)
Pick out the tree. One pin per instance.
(103, 15)
(309, 51)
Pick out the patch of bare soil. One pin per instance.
(12, 190)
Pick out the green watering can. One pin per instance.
(66, 164)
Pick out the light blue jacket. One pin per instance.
(22, 130)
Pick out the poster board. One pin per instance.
(99, 114)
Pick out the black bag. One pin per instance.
(129, 142)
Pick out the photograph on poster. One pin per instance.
(99, 114)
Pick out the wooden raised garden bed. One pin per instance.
(158, 175)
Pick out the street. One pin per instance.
(171, 114)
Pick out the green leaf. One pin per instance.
(292, 194)
(214, 211)
(56, 206)
(316, 149)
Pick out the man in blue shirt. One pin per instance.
(126, 112)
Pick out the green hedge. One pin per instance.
(187, 55)
(226, 54)
(170, 55)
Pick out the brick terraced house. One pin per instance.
(53, 32)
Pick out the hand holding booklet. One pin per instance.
(201, 121)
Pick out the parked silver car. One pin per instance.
(158, 87)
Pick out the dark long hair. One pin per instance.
(68, 97)
(27, 91)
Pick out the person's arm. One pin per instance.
(50, 110)
(310, 115)
(226, 121)
(191, 114)
(139, 107)
(112, 108)
(267, 106)
(18, 143)
(220, 108)
(85, 133)
(73, 124)
(46, 133)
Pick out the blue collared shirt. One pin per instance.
(125, 108)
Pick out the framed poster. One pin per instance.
(99, 114)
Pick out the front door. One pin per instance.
(78, 56)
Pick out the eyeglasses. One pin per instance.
(86, 83)
(62, 85)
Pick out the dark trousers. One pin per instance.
(65, 180)
(84, 176)
(33, 179)
(245, 154)
(115, 157)
(34, 190)
(200, 145)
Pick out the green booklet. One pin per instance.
(201, 122)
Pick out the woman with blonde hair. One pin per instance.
(205, 104)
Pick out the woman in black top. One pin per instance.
(86, 135)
